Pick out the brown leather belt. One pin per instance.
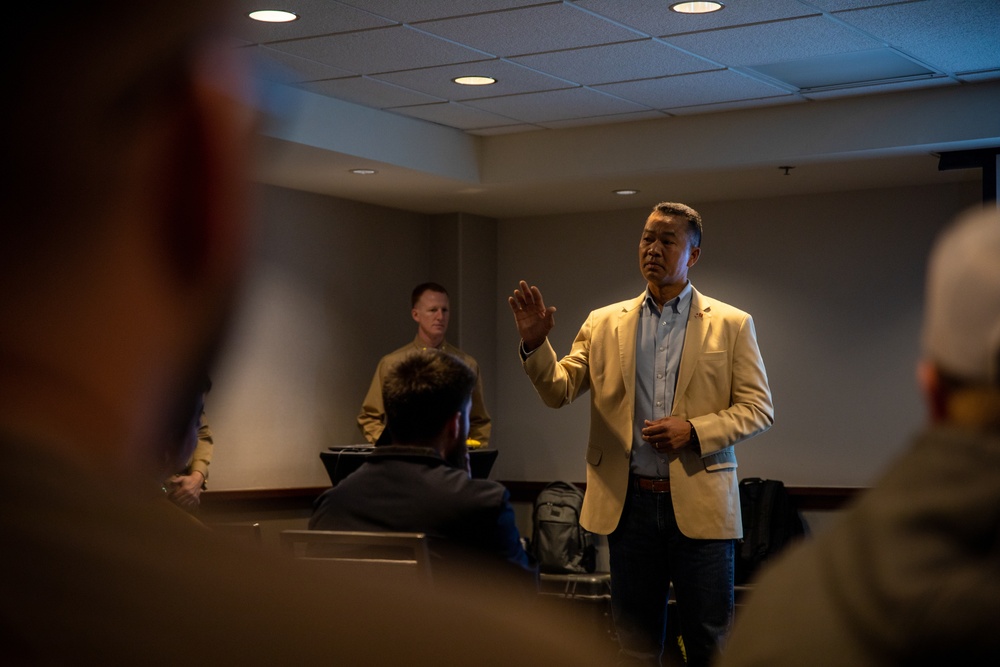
(653, 485)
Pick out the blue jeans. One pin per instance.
(647, 552)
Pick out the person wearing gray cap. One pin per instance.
(910, 575)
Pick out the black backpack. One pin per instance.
(770, 523)
(558, 542)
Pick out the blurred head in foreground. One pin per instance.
(124, 235)
(121, 249)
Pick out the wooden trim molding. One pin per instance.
(807, 498)
(260, 499)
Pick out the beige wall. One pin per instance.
(833, 282)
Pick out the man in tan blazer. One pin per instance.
(675, 379)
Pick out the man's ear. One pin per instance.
(415, 315)
(205, 224)
(452, 428)
(693, 256)
(933, 389)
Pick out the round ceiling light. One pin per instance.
(474, 80)
(696, 7)
(625, 192)
(363, 172)
(272, 16)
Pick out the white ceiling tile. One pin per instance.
(604, 120)
(456, 115)
(986, 75)
(693, 89)
(382, 50)
(616, 62)
(953, 35)
(556, 105)
(736, 105)
(655, 18)
(286, 67)
(507, 129)
(369, 92)
(775, 42)
(530, 30)
(410, 11)
(840, 5)
(884, 88)
(511, 79)
(316, 17)
(840, 69)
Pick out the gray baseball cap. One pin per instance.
(962, 316)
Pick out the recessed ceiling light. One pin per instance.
(272, 16)
(363, 172)
(474, 80)
(625, 192)
(696, 7)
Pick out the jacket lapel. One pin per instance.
(628, 324)
(694, 341)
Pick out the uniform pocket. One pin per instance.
(594, 456)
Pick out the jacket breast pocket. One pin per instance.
(714, 357)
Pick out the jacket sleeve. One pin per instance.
(201, 459)
(480, 424)
(371, 419)
(559, 382)
(749, 411)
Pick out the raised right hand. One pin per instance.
(534, 321)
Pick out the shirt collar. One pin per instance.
(679, 304)
(419, 343)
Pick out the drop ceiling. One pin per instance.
(596, 95)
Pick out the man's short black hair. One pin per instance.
(422, 392)
(686, 212)
(425, 287)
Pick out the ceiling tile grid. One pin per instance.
(654, 17)
(370, 92)
(955, 36)
(511, 79)
(557, 105)
(318, 17)
(624, 61)
(693, 89)
(411, 11)
(588, 61)
(776, 41)
(381, 50)
(461, 116)
(531, 30)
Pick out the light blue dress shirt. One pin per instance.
(659, 342)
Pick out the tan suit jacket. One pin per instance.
(721, 389)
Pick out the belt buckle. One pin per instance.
(654, 485)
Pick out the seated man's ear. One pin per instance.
(933, 389)
(205, 225)
(453, 427)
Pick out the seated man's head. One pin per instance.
(961, 369)
(427, 399)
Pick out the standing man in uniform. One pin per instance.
(431, 311)
(676, 379)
